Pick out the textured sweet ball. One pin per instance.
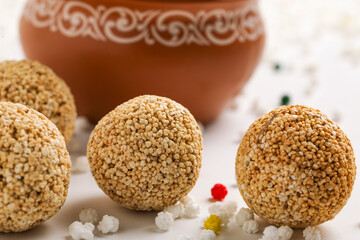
(38, 87)
(34, 168)
(219, 192)
(146, 154)
(295, 167)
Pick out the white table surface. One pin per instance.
(317, 44)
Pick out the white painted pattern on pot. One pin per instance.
(123, 25)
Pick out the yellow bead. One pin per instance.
(213, 223)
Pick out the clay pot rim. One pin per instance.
(171, 3)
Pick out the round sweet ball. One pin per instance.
(38, 87)
(146, 154)
(34, 168)
(295, 167)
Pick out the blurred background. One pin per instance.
(312, 55)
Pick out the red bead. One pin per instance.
(219, 191)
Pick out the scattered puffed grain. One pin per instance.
(219, 209)
(231, 207)
(207, 235)
(81, 164)
(89, 215)
(312, 233)
(164, 221)
(177, 210)
(82, 124)
(80, 231)
(285, 233)
(244, 215)
(192, 207)
(251, 226)
(108, 224)
(270, 233)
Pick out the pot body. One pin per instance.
(199, 54)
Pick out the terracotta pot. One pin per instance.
(199, 53)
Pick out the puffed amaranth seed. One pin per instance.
(146, 154)
(34, 168)
(295, 167)
(38, 87)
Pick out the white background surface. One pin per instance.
(317, 44)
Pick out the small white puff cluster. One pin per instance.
(192, 207)
(82, 128)
(285, 232)
(188, 208)
(89, 217)
(224, 211)
(81, 231)
(81, 164)
(231, 208)
(312, 233)
(274, 233)
(164, 221)
(207, 235)
(108, 224)
(270, 233)
(218, 209)
(250, 226)
(244, 215)
(177, 210)
(245, 219)
(82, 124)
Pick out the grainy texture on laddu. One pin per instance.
(37, 87)
(295, 167)
(34, 168)
(146, 154)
